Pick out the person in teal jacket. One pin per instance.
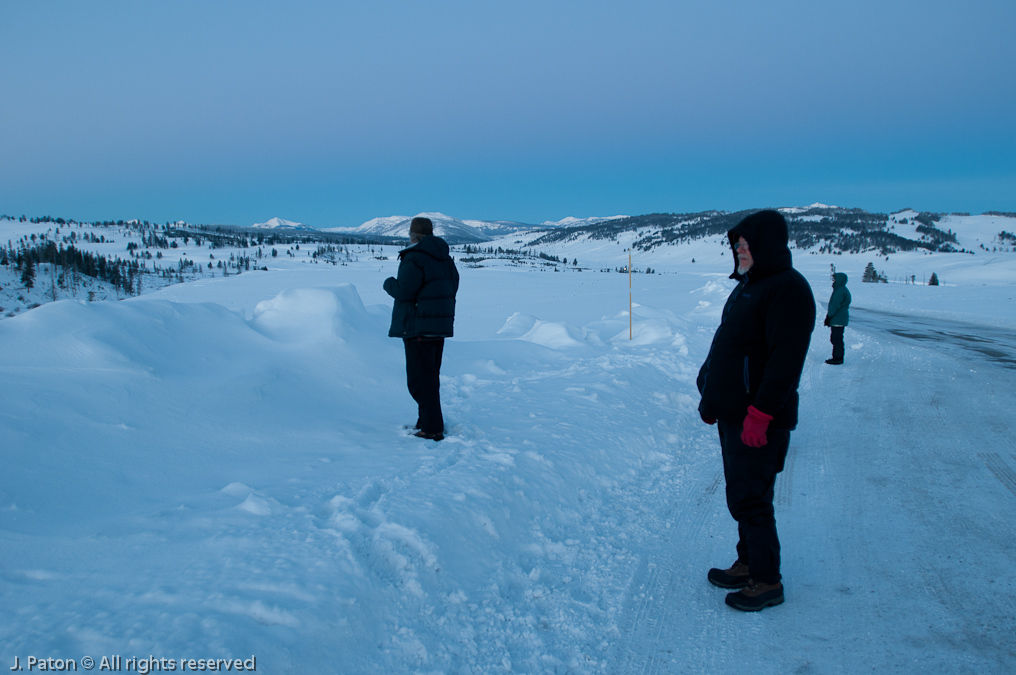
(838, 316)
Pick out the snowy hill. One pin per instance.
(814, 228)
(964, 232)
(792, 210)
(493, 228)
(279, 224)
(453, 230)
(571, 221)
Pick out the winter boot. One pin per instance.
(756, 596)
(834, 362)
(735, 576)
(430, 437)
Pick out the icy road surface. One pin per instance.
(895, 512)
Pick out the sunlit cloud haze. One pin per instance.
(331, 113)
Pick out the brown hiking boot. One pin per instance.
(756, 596)
(735, 576)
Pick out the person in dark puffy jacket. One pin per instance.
(838, 316)
(749, 387)
(423, 316)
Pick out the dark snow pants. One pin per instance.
(423, 375)
(751, 477)
(836, 337)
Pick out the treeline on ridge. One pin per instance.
(828, 228)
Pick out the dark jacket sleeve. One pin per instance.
(407, 286)
(790, 319)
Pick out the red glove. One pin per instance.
(707, 420)
(755, 424)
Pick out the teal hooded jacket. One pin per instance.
(838, 311)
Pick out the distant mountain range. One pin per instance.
(280, 224)
(456, 231)
(818, 226)
(453, 230)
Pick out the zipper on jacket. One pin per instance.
(747, 379)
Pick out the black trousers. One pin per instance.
(836, 337)
(751, 477)
(423, 375)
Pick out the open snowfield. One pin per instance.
(219, 470)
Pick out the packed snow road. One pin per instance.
(895, 512)
(989, 344)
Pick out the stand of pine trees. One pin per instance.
(124, 275)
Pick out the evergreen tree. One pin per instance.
(870, 275)
(28, 272)
(934, 280)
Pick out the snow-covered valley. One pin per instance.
(218, 469)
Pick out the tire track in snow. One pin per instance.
(649, 618)
(926, 516)
(657, 598)
(785, 479)
(1003, 472)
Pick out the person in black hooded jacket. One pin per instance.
(749, 387)
(423, 316)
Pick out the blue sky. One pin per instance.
(331, 113)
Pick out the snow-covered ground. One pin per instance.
(219, 470)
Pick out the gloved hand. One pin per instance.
(755, 425)
(707, 420)
(826, 322)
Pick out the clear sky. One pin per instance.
(331, 113)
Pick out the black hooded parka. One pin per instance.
(759, 349)
(424, 291)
